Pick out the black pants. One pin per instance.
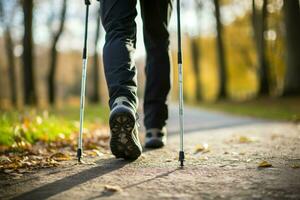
(118, 21)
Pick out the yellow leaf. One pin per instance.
(60, 157)
(94, 153)
(264, 164)
(201, 148)
(244, 139)
(198, 148)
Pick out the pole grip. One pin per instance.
(84, 53)
(87, 2)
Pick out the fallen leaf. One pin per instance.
(112, 188)
(295, 166)
(98, 152)
(4, 160)
(203, 158)
(8, 171)
(201, 148)
(60, 156)
(264, 164)
(244, 139)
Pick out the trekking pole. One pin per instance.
(83, 81)
(180, 80)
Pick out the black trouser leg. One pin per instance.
(118, 21)
(155, 15)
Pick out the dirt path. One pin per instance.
(226, 166)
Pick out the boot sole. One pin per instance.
(123, 143)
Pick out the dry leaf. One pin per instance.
(112, 188)
(60, 157)
(244, 139)
(264, 164)
(8, 171)
(4, 160)
(201, 148)
(203, 158)
(295, 166)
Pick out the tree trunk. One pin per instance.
(27, 57)
(259, 24)
(9, 46)
(292, 26)
(95, 98)
(196, 67)
(11, 65)
(220, 52)
(53, 55)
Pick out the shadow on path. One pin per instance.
(69, 182)
(107, 193)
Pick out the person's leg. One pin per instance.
(156, 15)
(118, 19)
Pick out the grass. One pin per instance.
(32, 125)
(287, 109)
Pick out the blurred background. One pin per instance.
(233, 49)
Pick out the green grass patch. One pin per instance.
(265, 108)
(33, 125)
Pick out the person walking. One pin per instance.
(118, 20)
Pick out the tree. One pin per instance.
(221, 52)
(259, 24)
(196, 67)
(53, 53)
(95, 97)
(9, 46)
(292, 26)
(27, 57)
(196, 56)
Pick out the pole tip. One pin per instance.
(79, 154)
(181, 158)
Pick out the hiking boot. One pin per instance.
(156, 138)
(124, 142)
